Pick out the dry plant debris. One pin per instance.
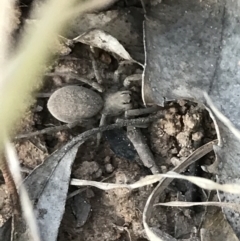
(109, 59)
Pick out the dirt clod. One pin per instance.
(88, 171)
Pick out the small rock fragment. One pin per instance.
(183, 139)
(88, 171)
(107, 159)
(197, 136)
(175, 161)
(192, 121)
(98, 173)
(184, 152)
(89, 193)
(164, 169)
(172, 123)
(81, 209)
(109, 168)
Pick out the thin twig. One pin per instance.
(142, 111)
(119, 123)
(46, 131)
(140, 121)
(70, 75)
(140, 144)
(103, 122)
(43, 95)
(87, 134)
(95, 67)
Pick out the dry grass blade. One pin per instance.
(233, 206)
(25, 201)
(221, 117)
(206, 183)
(148, 180)
(156, 237)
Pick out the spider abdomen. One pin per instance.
(73, 103)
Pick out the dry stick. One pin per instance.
(95, 67)
(68, 58)
(142, 111)
(145, 154)
(46, 131)
(121, 123)
(43, 95)
(138, 141)
(87, 134)
(92, 83)
(142, 120)
(103, 122)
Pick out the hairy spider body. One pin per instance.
(74, 103)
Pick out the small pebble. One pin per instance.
(183, 139)
(105, 58)
(174, 150)
(182, 102)
(187, 213)
(38, 108)
(175, 161)
(57, 80)
(88, 171)
(164, 169)
(192, 121)
(98, 173)
(197, 136)
(107, 159)
(109, 168)
(89, 193)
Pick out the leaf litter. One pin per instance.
(102, 40)
(62, 196)
(128, 31)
